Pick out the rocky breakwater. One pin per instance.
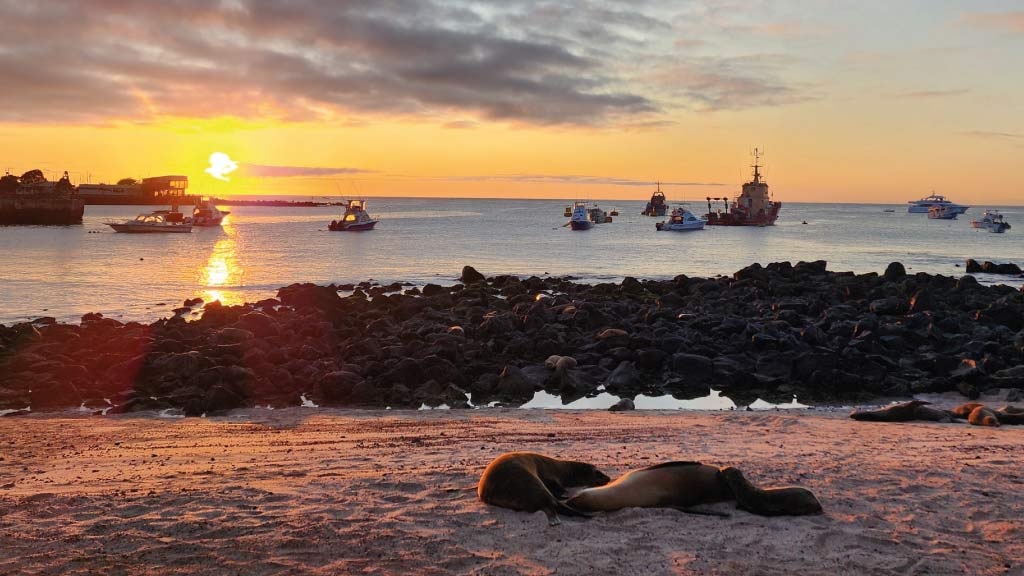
(767, 332)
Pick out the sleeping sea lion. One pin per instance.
(668, 485)
(681, 485)
(905, 412)
(790, 501)
(1010, 415)
(964, 410)
(983, 416)
(530, 482)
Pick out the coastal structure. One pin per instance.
(753, 207)
(157, 190)
(31, 199)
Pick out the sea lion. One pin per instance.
(789, 501)
(964, 410)
(529, 482)
(668, 485)
(681, 485)
(983, 416)
(905, 412)
(1010, 415)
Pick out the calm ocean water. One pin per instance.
(67, 271)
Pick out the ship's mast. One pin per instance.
(757, 166)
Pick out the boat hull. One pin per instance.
(923, 209)
(734, 219)
(361, 227)
(133, 229)
(581, 224)
(662, 227)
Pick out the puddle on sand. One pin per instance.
(713, 401)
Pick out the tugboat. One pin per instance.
(923, 205)
(657, 206)
(206, 214)
(355, 218)
(992, 221)
(753, 207)
(681, 220)
(942, 212)
(580, 219)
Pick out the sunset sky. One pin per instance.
(853, 101)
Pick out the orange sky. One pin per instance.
(845, 112)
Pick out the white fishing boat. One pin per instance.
(681, 220)
(580, 219)
(992, 221)
(355, 219)
(158, 222)
(206, 214)
(924, 204)
(942, 212)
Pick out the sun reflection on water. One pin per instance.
(222, 272)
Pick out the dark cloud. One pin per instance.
(575, 179)
(1011, 21)
(997, 136)
(66, 60)
(732, 83)
(924, 94)
(269, 171)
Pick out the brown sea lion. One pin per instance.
(668, 485)
(530, 482)
(789, 501)
(682, 485)
(964, 410)
(983, 416)
(905, 412)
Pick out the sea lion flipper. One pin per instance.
(564, 508)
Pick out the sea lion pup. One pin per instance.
(964, 410)
(790, 501)
(983, 416)
(670, 485)
(530, 482)
(905, 412)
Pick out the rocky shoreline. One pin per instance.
(766, 332)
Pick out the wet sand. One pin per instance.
(301, 491)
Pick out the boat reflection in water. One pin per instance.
(223, 272)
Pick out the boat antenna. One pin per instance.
(757, 166)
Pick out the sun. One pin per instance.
(220, 166)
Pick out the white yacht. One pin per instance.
(921, 206)
(681, 220)
(992, 221)
(159, 222)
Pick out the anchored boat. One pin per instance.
(992, 221)
(681, 220)
(158, 222)
(753, 207)
(923, 205)
(657, 205)
(355, 219)
(942, 212)
(580, 218)
(206, 214)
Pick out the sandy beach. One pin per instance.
(318, 491)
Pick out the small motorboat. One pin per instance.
(206, 214)
(992, 221)
(943, 212)
(681, 220)
(580, 218)
(158, 222)
(568, 210)
(355, 218)
(598, 216)
(614, 212)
